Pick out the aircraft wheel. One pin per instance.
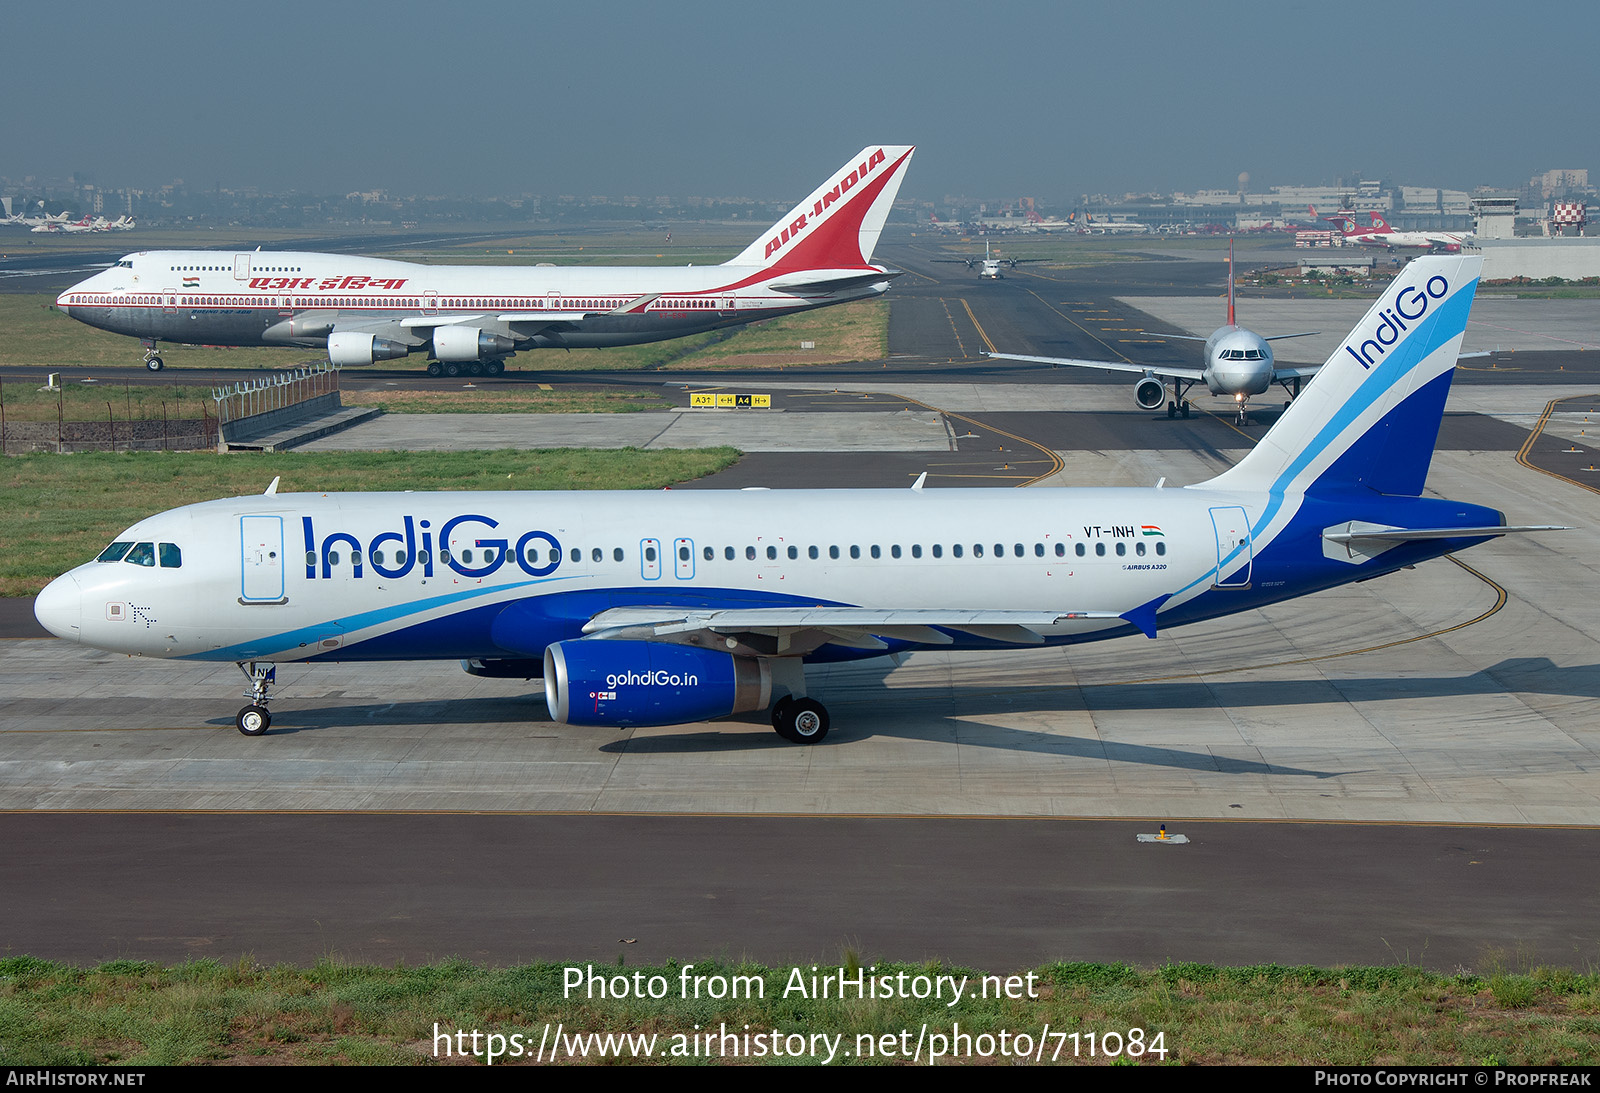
(805, 721)
(253, 720)
(1172, 410)
(475, 368)
(155, 364)
(435, 368)
(452, 369)
(494, 368)
(1185, 410)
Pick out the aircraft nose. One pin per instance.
(59, 608)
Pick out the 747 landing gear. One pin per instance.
(254, 719)
(801, 720)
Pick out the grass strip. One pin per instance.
(133, 1013)
(61, 510)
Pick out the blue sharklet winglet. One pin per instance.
(1144, 616)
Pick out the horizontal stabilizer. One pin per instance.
(1356, 531)
(814, 281)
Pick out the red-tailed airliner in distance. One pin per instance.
(469, 319)
(1379, 234)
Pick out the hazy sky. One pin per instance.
(765, 99)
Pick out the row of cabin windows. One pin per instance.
(219, 269)
(145, 554)
(369, 302)
(488, 555)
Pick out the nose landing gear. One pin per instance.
(254, 720)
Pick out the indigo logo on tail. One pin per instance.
(1409, 306)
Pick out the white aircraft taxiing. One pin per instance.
(1238, 364)
(471, 318)
(989, 265)
(676, 606)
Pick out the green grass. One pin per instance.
(78, 401)
(62, 510)
(507, 400)
(132, 1013)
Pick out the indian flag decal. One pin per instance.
(1152, 529)
(191, 282)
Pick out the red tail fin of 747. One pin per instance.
(838, 225)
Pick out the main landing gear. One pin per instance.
(1174, 409)
(801, 720)
(254, 720)
(468, 368)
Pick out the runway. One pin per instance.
(974, 807)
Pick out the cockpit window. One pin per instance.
(126, 263)
(142, 554)
(114, 552)
(171, 556)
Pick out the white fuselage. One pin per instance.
(1238, 362)
(296, 298)
(357, 576)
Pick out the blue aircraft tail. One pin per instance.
(1371, 416)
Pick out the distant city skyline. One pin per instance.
(715, 98)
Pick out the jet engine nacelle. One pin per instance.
(468, 343)
(350, 348)
(1149, 393)
(603, 682)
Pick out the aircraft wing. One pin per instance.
(1303, 372)
(1115, 366)
(1302, 334)
(791, 631)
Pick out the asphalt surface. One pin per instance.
(995, 892)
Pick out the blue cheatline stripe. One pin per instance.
(291, 639)
(1410, 352)
(1416, 347)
